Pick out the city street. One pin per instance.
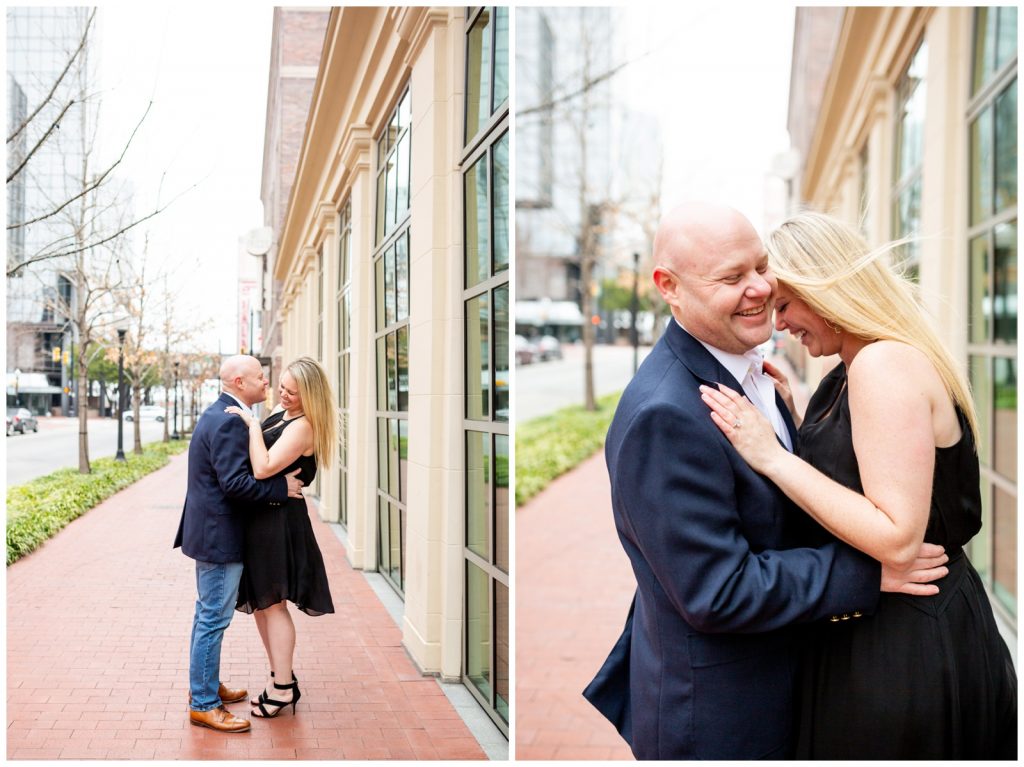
(543, 387)
(55, 446)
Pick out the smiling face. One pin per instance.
(713, 271)
(288, 393)
(792, 314)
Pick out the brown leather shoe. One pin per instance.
(219, 719)
(227, 695)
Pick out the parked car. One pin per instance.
(147, 413)
(526, 351)
(549, 348)
(21, 420)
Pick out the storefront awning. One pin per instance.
(544, 312)
(30, 383)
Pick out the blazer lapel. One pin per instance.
(790, 425)
(696, 358)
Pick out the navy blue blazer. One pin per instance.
(705, 668)
(221, 487)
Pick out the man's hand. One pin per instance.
(917, 580)
(295, 488)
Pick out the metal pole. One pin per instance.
(634, 307)
(120, 396)
(176, 435)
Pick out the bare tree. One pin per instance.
(576, 105)
(178, 359)
(92, 272)
(69, 90)
(141, 362)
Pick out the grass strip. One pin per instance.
(549, 446)
(39, 509)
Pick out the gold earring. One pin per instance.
(835, 328)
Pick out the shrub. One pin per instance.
(39, 509)
(549, 446)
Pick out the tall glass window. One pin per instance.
(906, 198)
(317, 486)
(992, 291)
(485, 186)
(391, 273)
(343, 299)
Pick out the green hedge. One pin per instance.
(549, 446)
(40, 508)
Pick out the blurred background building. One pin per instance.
(386, 194)
(904, 121)
(48, 67)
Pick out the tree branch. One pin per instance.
(587, 86)
(81, 44)
(53, 126)
(96, 183)
(13, 271)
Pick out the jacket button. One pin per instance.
(834, 619)
(845, 617)
(857, 614)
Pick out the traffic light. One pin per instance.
(56, 353)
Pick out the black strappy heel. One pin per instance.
(256, 701)
(280, 704)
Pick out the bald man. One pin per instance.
(221, 489)
(705, 668)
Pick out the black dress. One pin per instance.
(281, 556)
(924, 677)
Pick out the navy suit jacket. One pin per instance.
(221, 486)
(705, 668)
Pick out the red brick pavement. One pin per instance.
(573, 588)
(98, 622)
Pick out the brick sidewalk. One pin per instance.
(98, 622)
(573, 589)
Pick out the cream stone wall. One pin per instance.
(371, 55)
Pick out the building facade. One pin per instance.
(297, 40)
(393, 261)
(564, 140)
(915, 133)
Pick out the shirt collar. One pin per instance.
(246, 408)
(737, 364)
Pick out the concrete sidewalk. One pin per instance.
(98, 621)
(573, 589)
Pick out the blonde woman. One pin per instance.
(886, 460)
(282, 562)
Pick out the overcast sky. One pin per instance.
(717, 75)
(206, 68)
(717, 80)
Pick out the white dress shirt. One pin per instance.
(245, 408)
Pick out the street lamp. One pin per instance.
(176, 435)
(634, 307)
(120, 394)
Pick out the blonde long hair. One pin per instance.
(832, 269)
(318, 406)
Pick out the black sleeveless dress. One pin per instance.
(281, 557)
(924, 677)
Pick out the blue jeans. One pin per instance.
(217, 585)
